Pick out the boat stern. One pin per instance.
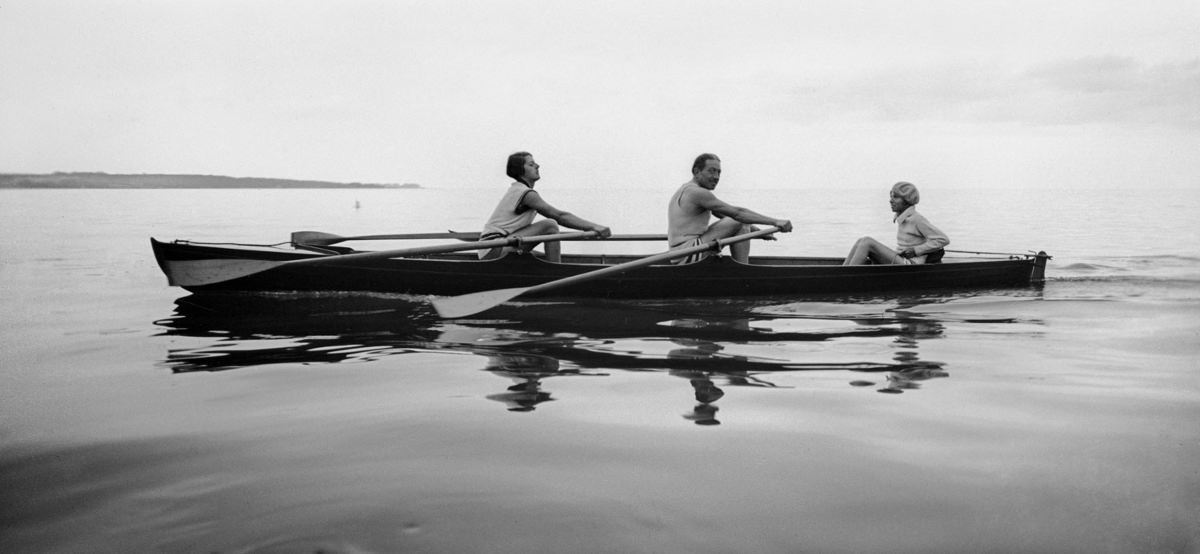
(1039, 266)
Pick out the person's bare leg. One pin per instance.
(881, 254)
(726, 228)
(740, 251)
(868, 248)
(552, 249)
(858, 253)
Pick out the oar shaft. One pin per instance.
(627, 237)
(318, 238)
(636, 237)
(440, 249)
(1028, 254)
(650, 260)
(475, 302)
(414, 236)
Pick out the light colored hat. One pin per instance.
(907, 191)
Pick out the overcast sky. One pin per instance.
(790, 93)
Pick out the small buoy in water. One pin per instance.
(356, 205)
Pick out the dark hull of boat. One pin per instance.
(454, 274)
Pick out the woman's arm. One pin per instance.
(935, 239)
(534, 201)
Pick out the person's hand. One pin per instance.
(785, 226)
(754, 228)
(908, 253)
(602, 231)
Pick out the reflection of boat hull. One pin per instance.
(452, 274)
(550, 340)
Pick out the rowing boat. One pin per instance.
(201, 267)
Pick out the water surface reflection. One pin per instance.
(526, 371)
(713, 346)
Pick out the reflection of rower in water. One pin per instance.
(522, 397)
(706, 391)
(527, 370)
(911, 369)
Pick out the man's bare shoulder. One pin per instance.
(693, 192)
(700, 197)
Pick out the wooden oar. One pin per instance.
(206, 272)
(318, 238)
(609, 238)
(467, 304)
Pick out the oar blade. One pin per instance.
(315, 238)
(451, 307)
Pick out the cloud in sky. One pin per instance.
(1121, 90)
(999, 93)
(1096, 90)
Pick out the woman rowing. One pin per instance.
(916, 237)
(513, 216)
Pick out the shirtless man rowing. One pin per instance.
(693, 205)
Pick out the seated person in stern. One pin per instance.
(916, 236)
(513, 217)
(693, 205)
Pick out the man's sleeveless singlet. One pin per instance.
(684, 224)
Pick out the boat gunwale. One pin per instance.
(573, 259)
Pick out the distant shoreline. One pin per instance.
(168, 181)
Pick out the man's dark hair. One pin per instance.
(701, 160)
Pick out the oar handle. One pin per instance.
(719, 244)
(645, 237)
(536, 239)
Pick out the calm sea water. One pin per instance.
(135, 417)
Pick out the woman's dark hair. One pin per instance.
(701, 160)
(516, 165)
